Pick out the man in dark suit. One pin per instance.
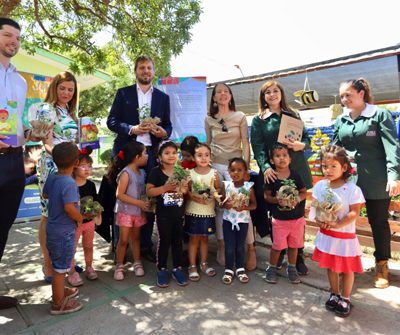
(129, 105)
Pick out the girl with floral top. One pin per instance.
(239, 200)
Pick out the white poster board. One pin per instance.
(188, 100)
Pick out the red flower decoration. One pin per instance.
(83, 151)
(121, 155)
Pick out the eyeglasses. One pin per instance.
(224, 127)
(85, 167)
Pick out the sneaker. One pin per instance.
(138, 269)
(179, 277)
(332, 302)
(292, 274)
(75, 279)
(90, 273)
(343, 307)
(67, 306)
(162, 278)
(271, 275)
(301, 267)
(119, 273)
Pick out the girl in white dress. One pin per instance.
(336, 246)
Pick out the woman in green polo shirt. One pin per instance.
(272, 105)
(368, 134)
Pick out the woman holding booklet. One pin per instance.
(272, 105)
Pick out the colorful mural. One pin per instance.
(321, 136)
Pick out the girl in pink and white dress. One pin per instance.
(336, 246)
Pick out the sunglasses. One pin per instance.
(224, 127)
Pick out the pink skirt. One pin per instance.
(337, 263)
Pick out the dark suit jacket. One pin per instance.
(124, 115)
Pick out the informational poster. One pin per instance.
(88, 133)
(8, 121)
(188, 99)
(29, 208)
(37, 89)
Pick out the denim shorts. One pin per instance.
(61, 250)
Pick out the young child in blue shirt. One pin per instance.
(64, 215)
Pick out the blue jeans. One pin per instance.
(61, 249)
(234, 244)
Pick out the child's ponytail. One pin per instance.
(84, 154)
(123, 158)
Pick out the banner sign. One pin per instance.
(29, 208)
(188, 100)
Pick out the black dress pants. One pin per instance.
(12, 184)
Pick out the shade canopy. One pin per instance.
(380, 67)
(46, 63)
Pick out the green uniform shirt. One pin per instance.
(371, 140)
(264, 134)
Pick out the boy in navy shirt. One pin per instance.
(64, 215)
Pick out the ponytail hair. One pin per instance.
(361, 84)
(84, 154)
(124, 157)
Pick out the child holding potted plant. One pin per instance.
(336, 205)
(238, 200)
(285, 195)
(168, 183)
(89, 207)
(200, 210)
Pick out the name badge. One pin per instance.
(371, 133)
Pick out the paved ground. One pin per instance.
(137, 306)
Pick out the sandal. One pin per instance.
(243, 278)
(209, 271)
(68, 305)
(228, 277)
(193, 274)
(70, 292)
(138, 269)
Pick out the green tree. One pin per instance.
(106, 34)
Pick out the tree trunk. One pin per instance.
(7, 6)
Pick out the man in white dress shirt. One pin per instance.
(12, 174)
